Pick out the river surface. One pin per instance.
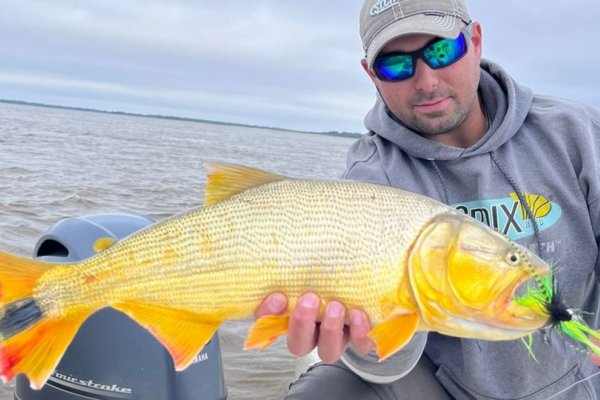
(57, 163)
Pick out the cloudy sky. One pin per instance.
(282, 63)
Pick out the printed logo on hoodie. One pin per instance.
(509, 217)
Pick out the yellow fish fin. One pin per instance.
(225, 180)
(103, 243)
(37, 350)
(30, 342)
(266, 330)
(392, 334)
(183, 334)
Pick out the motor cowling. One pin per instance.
(112, 357)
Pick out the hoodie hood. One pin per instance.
(540, 187)
(507, 104)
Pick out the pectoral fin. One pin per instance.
(182, 333)
(393, 334)
(266, 330)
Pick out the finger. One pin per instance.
(359, 330)
(332, 339)
(303, 323)
(274, 304)
(596, 358)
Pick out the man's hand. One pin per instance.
(331, 335)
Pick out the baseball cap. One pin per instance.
(381, 21)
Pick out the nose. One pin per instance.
(425, 78)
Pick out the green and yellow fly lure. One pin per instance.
(567, 321)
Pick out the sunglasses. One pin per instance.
(438, 53)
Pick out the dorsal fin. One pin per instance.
(225, 180)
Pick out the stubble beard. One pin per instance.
(440, 122)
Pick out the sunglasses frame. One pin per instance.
(464, 35)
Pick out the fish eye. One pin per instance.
(513, 259)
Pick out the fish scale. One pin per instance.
(367, 246)
(334, 252)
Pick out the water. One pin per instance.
(58, 163)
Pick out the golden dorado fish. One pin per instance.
(411, 263)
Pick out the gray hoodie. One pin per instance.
(544, 150)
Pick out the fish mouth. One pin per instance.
(526, 305)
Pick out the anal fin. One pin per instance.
(393, 334)
(266, 330)
(183, 333)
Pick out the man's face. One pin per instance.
(434, 101)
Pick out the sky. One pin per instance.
(276, 63)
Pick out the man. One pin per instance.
(458, 128)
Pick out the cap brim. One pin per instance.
(446, 26)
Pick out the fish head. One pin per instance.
(469, 280)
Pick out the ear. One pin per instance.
(370, 73)
(477, 39)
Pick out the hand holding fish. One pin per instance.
(336, 329)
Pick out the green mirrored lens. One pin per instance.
(395, 67)
(439, 53)
(445, 52)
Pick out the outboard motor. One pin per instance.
(111, 356)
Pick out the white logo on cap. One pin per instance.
(381, 6)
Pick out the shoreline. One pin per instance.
(175, 118)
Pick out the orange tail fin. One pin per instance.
(30, 342)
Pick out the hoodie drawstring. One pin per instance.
(441, 177)
(513, 183)
(530, 215)
(522, 200)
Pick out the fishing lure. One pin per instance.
(567, 321)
